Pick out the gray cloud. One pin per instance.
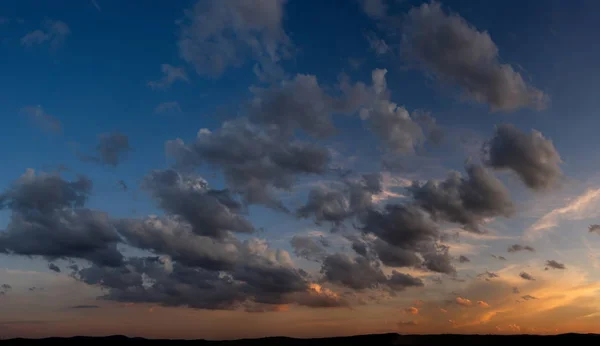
(42, 119)
(360, 273)
(528, 297)
(171, 74)
(594, 228)
(216, 35)
(111, 149)
(457, 53)
(122, 185)
(518, 247)
(526, 276)
(531, 156)
(488, 275)
(253, 160)
(466, 201)
(53, 267)
(209, 212)
(374, 8)
(307, 247)
(463, 259)
(48, 220)
(554, 264)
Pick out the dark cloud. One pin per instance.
(393, 256)
(307, 247)
(528, 297)
(438, 260)
(466, 201)
(253, 160)
(488, 275)
(6, 287)
(502, 258)
(457, 53)
(531, 156)
(122, 185)
(360, 273)
(111, 149)
(53, 267)
(594, 228)
(518, 247)
(48, 220)
(210, 212)
(515, 290)
(463, 259)
(554, 265)
(217, 35)
(526, 276)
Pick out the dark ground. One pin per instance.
(366, 340)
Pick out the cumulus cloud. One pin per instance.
(111, 149)
(526, 276)
(554, 264)
(531, 156)
(42, 119)
(457, 53)
(48, 219)
(253, 161)
(308, 247)
(171, 74)
(217, 35)
(518, 247)
(464, 200)
(54, 31)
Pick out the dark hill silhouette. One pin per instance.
(375, 340)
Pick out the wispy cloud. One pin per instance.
(43, 120)
(580, 208)
(54, 31)
(168, 107)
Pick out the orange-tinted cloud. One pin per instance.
(412, 310)
(483, 304)
(463, 301)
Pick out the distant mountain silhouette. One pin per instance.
(375, 340)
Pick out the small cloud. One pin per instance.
(554, 264)
(171, 74)
(528, 297)
(526, 276)
(412, 310)
(463, 259)
(488, 275)
(53, 267)
(515, 290)
(483, 304)
(514, 327)
(517, 248)
(502, 258)
(444, 311)
(594, 228)
(408, 324)
(85, 307)
(43, 120)
(55, 32)
(168, 107)
(122, 185)
(95, 4)
(463, 301)
(6, 287)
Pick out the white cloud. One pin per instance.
(582, 207)
(55, 32)
(171, 74)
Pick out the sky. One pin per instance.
(249, 168)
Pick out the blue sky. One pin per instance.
(74, 72)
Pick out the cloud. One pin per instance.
(579, 208)
(526, 276)
(518, 247)
(111, 149)
(171, 74)
(515, 290)
(96, 5)
(253, 161)
(463, 301)
(85, 307)
(168, 107)
(378, 45)
(122, 185)
(594, 228)
(55, 32)
(217, 35)
(307, 247)
(483, 304)
(209, 212)
(375, 9)
(457, 53)
(466, 201)
(463, 259)
(359, 274)
(554, 264)
(48, 219)
(488, 275)
(53, 267)
(412, 310)
(42, 119)
(531, 156)
(528, 297)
